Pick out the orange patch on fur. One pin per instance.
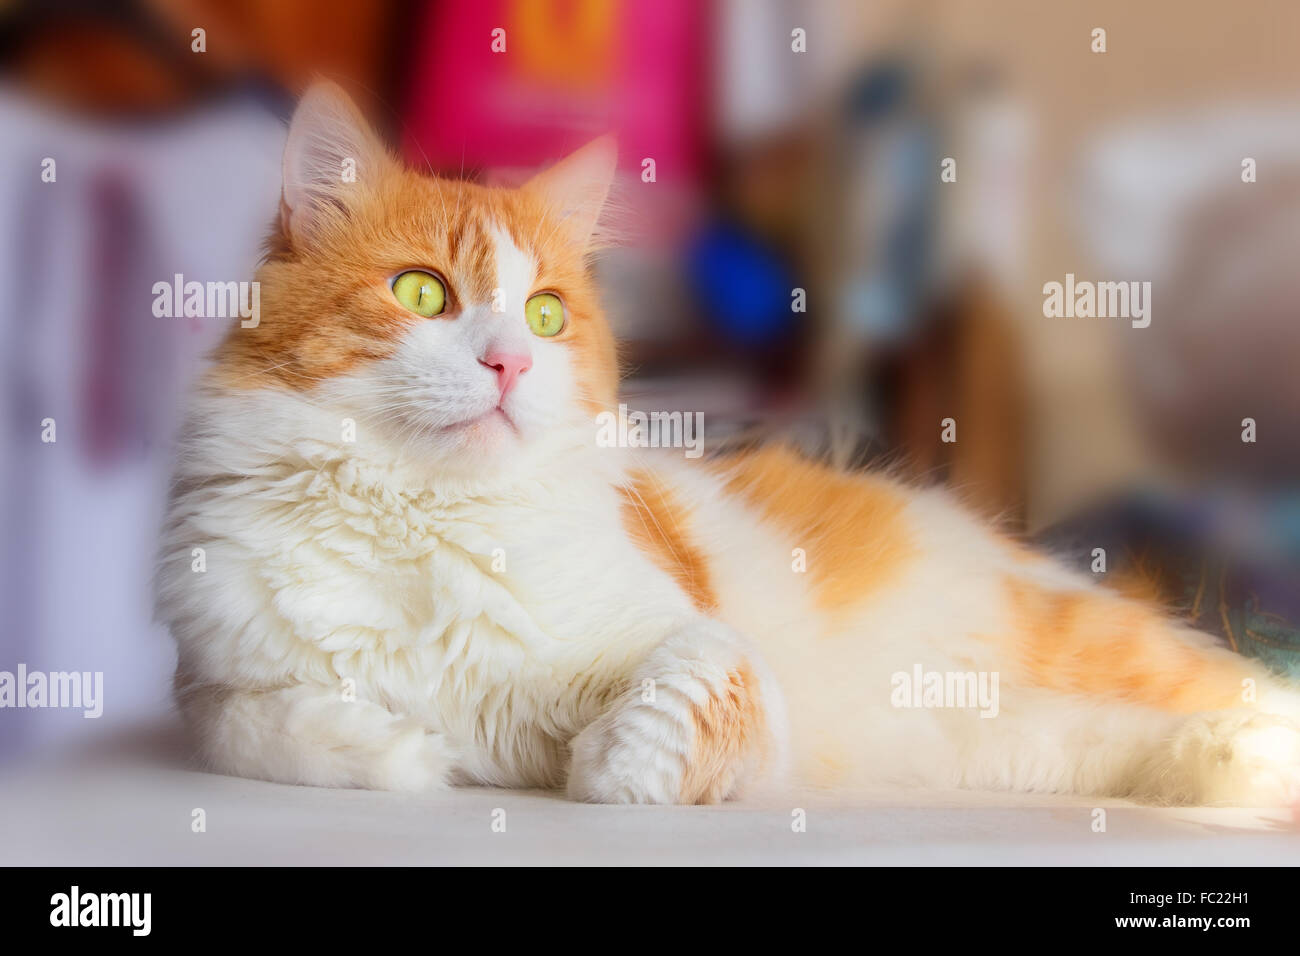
(1088, 642)
(850, 526)
(660, 526)
(729, 728)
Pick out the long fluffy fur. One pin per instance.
(441, 598)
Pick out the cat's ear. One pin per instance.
(578, 185)
(328, 156)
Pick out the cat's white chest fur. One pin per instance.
(439, 606)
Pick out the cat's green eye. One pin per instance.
(545, 314)
(420, 292)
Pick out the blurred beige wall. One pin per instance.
(1163, 57)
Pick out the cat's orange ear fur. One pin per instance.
(330, 153)
(577, 186)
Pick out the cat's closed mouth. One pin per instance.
(488, 418)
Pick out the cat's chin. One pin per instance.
(483, 436)
(483, 442)
(496, 420)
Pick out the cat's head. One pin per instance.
(457, 321)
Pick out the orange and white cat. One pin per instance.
(422, 568)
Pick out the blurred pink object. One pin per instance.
(570, 70)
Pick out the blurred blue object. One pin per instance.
(745, 288)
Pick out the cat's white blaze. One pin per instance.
(516, 271)
(546, 392)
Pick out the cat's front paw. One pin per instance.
(411, 761)
(624, 758)
(696, 727)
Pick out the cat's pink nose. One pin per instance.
(508, 366)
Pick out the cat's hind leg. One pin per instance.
(1210, 726)
(308, 734)
(1238, 758)
(1049, 742)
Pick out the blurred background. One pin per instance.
(797, 265)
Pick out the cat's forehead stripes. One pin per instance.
(470, 256)
(480, 254)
